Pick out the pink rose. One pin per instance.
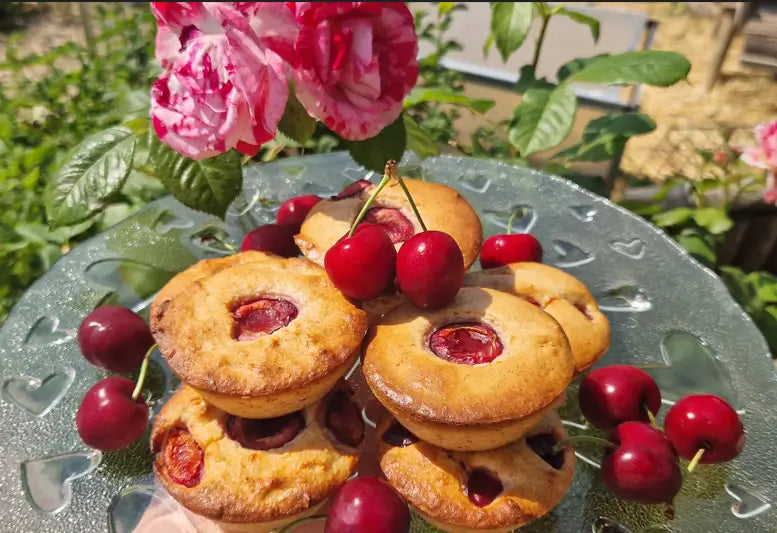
(765, 156)
(225, 84)
(355, 62)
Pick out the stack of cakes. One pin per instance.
(471, 438)
(264, 430)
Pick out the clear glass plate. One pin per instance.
(668, 314)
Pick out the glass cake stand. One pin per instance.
(668, 314)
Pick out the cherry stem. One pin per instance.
(229, 246)
(560, 445)
(301, 521)
(391, 170)
(652, 418)
(696, 459)
(366, 206)
(142, 373)
(510, 221)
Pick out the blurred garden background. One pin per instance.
(68, 70)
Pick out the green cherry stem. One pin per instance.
(391, 170)
(301, 521)
(696, 459)
(560, 445)
(510, 222)
(366, 206)
(142, 373)
(652, 418)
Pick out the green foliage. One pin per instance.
(510, 23)
(756, 292)
(295, 122)
(543, 119)
(605, 138)
(388, 144)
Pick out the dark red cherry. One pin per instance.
(108, 418)
(643, 468)
(499, 250)
(614, 394)
(114, 338)
(260, 317)
(362, 266)
(392, 221)
(399, 435)
(265, 433)
(483, 487)
(368, 504)
(272, 238)
(708, 422)
(466, 343)
(353, 189)
(293, 211)
(181, 459)
(430, 269)
(344, 419)
(544, 446)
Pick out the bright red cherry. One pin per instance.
(108, 418)
(430, 269)
(499, 250)
(278, 240)
(615, 394)
(114, 338)
(362, 266)
(353, 189)
(643, 468)
(705, 421)
(392, 221)
(466, 343)
(368, 504)
(294, 210)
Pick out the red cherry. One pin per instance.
(362, 266)
(294, 210)
(499, 250)
(114, 338)
(392, 221)
(260, 317)
(353, 189)
(278, 240)
(618, 393)
(483, 487)
(368, 504)
(467, 343)
(430, 269)
(108, 418)
(181, 459)
(643, 468)
(399, 435)
(266, 433)
(705, 421)
(344, 419)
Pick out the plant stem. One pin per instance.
(540, 39)
(696, 459)
(510, 221)
(366, 206)
(652, 418)
(142, 373)
(391, 170)
(582, 438)
(300, 522)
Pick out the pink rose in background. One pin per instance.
(765, 156)
(225, 84)
(355, 62)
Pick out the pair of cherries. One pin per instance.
(641, 463)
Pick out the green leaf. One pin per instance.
(595, 184)
(652, 67)
(444, 7)
(605, 137)
(698, 248)
(207, 185)
(488, 44)
(32, 232)
(441, 94)
(673, 217)
(95, 173)
(49, 253)
(713, 219)
(388, 144)
(591, 22)
(417, 139)
(738, 285)
(526, 81)
(139, 126)
(295, 122)
(510, 23)
(575, 65)
(543, 119)
(765, 286)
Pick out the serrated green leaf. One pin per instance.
(543, 119)
(510, 23)
(673, 217)
(441, 94)
(207, 185)
(592, 23)
(417, 139)
(295, 122)
(652, 67)
(713, 219)
(373, 153)
(95, 173)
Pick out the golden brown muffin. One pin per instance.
(474, 375)
(560, 295)
(441, 207)
(265, 473)
(491, 491)
(259, 341)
